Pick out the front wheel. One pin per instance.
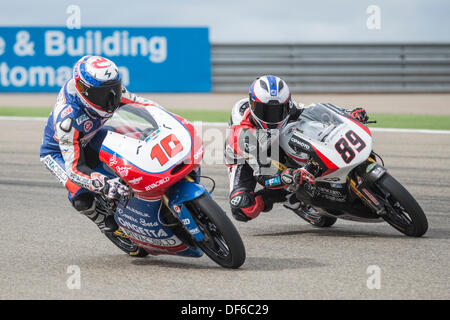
(403, 211)
(222, 242)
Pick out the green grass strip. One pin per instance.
(25, 111)
(402, 121)
(192, 115)
(410, 121)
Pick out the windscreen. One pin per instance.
(317, 122)
(134, 121)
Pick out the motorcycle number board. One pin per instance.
(162, 149)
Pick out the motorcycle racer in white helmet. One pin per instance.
(270, 102)
(74, 133)
(267, 109)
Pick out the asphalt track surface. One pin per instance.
(42, 236)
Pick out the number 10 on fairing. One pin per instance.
(166, 148)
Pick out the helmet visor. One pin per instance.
(270, 113)
(107, 96)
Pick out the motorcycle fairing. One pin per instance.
(180, 193)
(319, 129)
(131, 153)
(141, 222)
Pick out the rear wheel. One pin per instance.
(403, 211)
(125, 244)
(315, 220)
(222, 242)
(325, 222)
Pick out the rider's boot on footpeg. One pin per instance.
(300, 208)
(104, 221)
(292, 202)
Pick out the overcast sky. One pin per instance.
(237, 21)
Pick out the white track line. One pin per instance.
(23, 118)
(410, 130)
(225, 124)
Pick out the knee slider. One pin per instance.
(245, 206)
(84, 203)
(241, 199)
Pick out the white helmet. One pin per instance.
(98, 85)
(270, 102)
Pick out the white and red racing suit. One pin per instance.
(245, 173)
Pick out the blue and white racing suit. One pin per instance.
(72, 140)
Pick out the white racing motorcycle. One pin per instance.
(350, 184)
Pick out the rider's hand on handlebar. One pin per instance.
(359, 114)
(111, 188)
(97, 182)
(297, 176)
(115, 190)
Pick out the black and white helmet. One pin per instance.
(270, 102)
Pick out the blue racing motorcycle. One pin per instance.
(157, 154)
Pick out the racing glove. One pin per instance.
(115, 190)
(110, 188)
(297, 176)
(359, 114)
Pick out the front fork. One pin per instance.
(185, 190)
(361, 182)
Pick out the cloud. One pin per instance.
(254, 21)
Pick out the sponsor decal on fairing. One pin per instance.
(157, 183)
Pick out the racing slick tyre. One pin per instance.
(222, 243)
(315, 220)
(403, 211)
(324, 222)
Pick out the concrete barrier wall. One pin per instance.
(335, 67)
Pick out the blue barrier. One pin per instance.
(40, 59)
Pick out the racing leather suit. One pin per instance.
(244, 174)
(72, 140)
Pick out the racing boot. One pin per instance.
(104, 221)
(304, 211)
(292, 202)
